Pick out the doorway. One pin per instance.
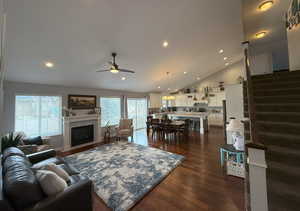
(137, 110)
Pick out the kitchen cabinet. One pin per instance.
(155, 100)
(181, 100)
(187, 100)
(217, 99)
(215, 119)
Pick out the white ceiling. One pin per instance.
(272, 21)
(78, 36)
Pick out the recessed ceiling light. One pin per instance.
(123, 78)
(165, 44)
(225, 58)
(158, 87)
(221, 51)
(49, 64)
(265, 5)
(260, 35)
(227, 64)
(184, 72)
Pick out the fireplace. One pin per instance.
(82, 135)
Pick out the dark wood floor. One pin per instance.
(197, 184)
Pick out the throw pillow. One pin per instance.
(33, 141)
(56, 169)
(50, 182)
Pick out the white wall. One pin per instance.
(268, 57)
(11, 89)
(234, 105)
(1, 70)
(261, 64)
(228, 75)
(1, 111)
(294, 47)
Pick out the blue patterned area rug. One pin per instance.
(124, 172)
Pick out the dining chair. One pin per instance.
(184, 129)
(156, 127)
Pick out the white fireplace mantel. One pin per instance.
(77, 121)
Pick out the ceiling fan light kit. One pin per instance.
(115, 67)
(114, 71)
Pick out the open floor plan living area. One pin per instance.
(161, 105)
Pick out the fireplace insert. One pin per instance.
(82, 135)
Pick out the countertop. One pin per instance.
(185, 114)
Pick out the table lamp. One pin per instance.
(235, 126)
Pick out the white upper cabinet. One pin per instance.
(217, 99)
(155, 100)
(187, 100)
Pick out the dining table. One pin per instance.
(164, 125)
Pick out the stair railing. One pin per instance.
(250, 97)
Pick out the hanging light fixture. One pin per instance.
(168, 97)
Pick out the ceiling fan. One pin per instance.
(114, 68)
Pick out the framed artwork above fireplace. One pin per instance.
(82, 101)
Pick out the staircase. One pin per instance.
(277, 119)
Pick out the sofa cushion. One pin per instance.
(50, 182)
(57, 170)
(18, 178)
(12, 151)
(4, 203)
(56, 160)
(69, 169)
(33, 141)
(75, 179)
(14, 161)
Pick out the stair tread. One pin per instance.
(284, 189)
(276, 75)
(278, 89)
(284, 150)
(279, 83)
(279, 123)
(274, 87)
(277, 113)
(278, 96)
(280, 135)
(278, 104)
(288, 169)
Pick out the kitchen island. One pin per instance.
(199, 116)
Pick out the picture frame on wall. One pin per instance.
(82, 101)
(293, 14)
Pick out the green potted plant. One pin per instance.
(10, 140)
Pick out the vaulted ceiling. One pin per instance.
(78, 36)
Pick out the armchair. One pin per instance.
(125, 129)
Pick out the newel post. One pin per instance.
(257, 177)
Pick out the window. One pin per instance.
(110, 110)
(38, 115)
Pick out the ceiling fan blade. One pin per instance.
(126, 71)
(100, 71)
